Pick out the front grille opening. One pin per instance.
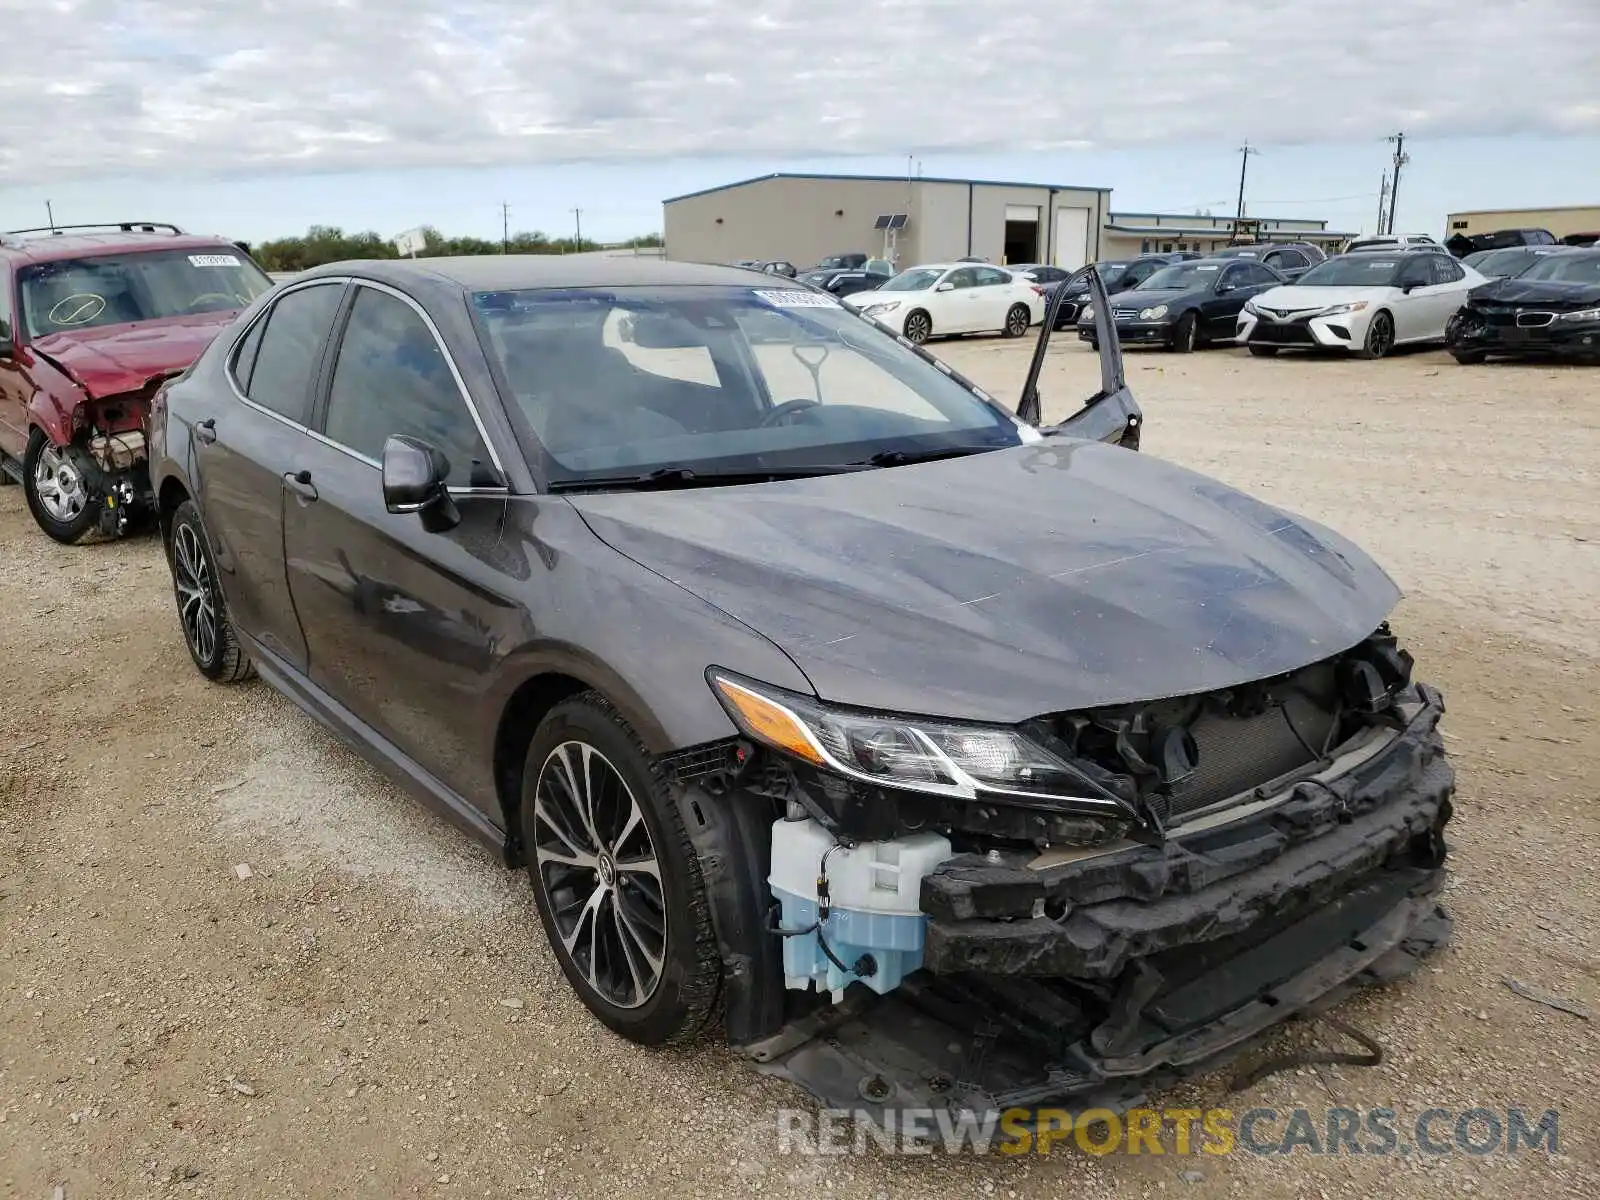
(1189, 754)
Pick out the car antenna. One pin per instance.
(1028, 407)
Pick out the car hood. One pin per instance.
(875, 296)
(1548, 292)
(123, 358)
(1137, 298)
(1052, 576)
(1299, 299)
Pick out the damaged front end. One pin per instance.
(110, 449)
(1076, 910)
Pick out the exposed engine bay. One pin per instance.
(1273, 846)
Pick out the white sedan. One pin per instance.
(1367, 303)
(941, 298)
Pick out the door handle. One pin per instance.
(205, 432)
(299, 482)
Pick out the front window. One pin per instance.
(1353, 270)
(720, 380)
(1182, 276)
(114, 289)
(1567, 268)
(919, 279)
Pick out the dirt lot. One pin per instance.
(372, 1012)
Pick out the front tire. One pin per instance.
(202, 608)
(1380, 337)
(1468, 358)
(918, 327)
(1018, 318)
(1186, 334)
(616, 878)
(1261, 351)
(59, 489)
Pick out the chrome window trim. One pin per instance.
(455, 373)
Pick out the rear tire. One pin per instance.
(202, 609)
(59, 489)
(616, 878)
(1263, 351)
(1018, 318)
(1186, 334)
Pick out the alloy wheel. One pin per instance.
(918, 327)
(59, 486)
(1017, 321)
(191, 578)
(1380, 337)
(597, 866)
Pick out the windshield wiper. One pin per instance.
(681, 476)
(901, 458)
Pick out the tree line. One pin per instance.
(327, 243)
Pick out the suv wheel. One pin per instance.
(617, 881)
(56, 481)
(202, 609)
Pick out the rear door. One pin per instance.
(996, 291)
(243, 449)
(402, 625)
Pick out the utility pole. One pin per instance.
(1245, 151)
(1383, 200)
(505, 228)
(1401, 158)
(577, 220)
(50, 214)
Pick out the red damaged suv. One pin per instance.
(93, 318)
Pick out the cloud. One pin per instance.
(217, 87)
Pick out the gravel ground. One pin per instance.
(372, 1012)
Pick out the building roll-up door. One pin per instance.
(1072, 238)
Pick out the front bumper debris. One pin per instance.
(1089, 983)
(1503, 333)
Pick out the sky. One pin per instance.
(257, 121)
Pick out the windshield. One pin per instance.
(1566, 268)
(81, 293)
(918, 279)
(1503, 263)
(1353, 270)
(1181, 275)
(720, 379)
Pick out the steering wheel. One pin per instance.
(227, 300)
(785, 410)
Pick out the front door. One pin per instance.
(15, 391)
(242, 451)
(402, 625)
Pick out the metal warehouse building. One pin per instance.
(1563, 222)
(804, 218)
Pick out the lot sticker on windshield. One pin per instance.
(1208, 268)
(795, 299)
(213, 260)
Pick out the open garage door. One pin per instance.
(1022, 234)
(1072, 238)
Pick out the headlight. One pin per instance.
(1335, 310)
(1583, 314)
(1250, 307)
(1153, 314)
(1086, 312)
(873, 310)
(915, 754)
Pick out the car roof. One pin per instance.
(512, 272)
(48, 247)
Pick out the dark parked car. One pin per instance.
(1462, 244)
(1291, 260)
(853, 261)
(92, 318)
(1187, 304)
(813, 687)
(844, 283)
(1118, 275)
(1551, 310)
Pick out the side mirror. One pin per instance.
(414, 475)
(1410, 285)
(945, 287)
